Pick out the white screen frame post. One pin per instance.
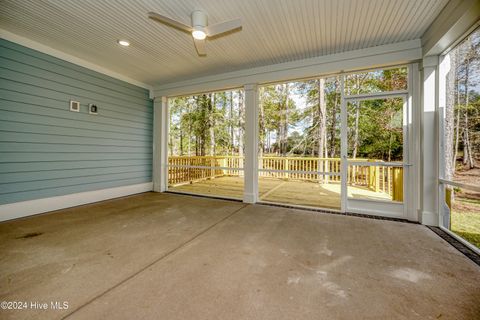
(160, 138)
(415, 151)
(343, 146)
(429, 140)
(250, 189)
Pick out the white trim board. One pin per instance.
(457, 18)
(429, 218)
(380, 56)
(7, 35)
(28, 208)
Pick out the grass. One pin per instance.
(465, 219)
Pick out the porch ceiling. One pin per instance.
(273, 31)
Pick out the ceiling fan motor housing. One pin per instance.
(199, 20)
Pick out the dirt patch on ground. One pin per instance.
(471, 176)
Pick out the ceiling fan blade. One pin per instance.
(222, 27)
(168, 21)
(200, 46)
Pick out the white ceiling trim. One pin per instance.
(7, 35)
(457, 18)
(392, 54)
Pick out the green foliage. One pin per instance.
(380, 129)
(291, 119)
(465, 219)
(206, 124)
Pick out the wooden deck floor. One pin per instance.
(281, 191)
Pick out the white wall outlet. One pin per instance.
(92, 108)
(74, 106)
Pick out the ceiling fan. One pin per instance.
(200, 29)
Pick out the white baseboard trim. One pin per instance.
(430, 218)
(31, 207)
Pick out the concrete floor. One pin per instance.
(166, 256)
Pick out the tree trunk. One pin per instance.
(449, 125)
(211, 122)
(357, 118)
(181, 141)
(390, 141)
(456, 128)
(189, 146)
(322, 125)
(467, 150)
(284, 125)
(262, 131)
(232, 141)
(322, 117)
(333, 126)
(314, 119)
(241, 124)
(170, 138)
(356, 135)
(267, 137)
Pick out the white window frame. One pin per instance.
(379, 207)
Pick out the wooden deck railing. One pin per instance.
(185, 169)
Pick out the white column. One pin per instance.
(429, 143)
(412, 184)
(251, 144)
(343, 147)
(160, 139)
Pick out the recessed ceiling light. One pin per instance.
(124, 43)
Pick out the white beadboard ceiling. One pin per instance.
(274, 31)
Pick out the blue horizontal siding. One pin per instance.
(20, 137)
(6, 147)
(47, 150)
(15, 167)
(16, 88)
(72, 157)
(46, 166)
(64, 118)
(69, 181)
(29, 74)
(68, 90)
(47, 191)
(31, 57)
(8, 179)
(27, 124)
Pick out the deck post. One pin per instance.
(251, 144)
(286, 166)
(327, 170)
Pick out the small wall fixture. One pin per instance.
(74, 106)
(123, 43)
(92, 109)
